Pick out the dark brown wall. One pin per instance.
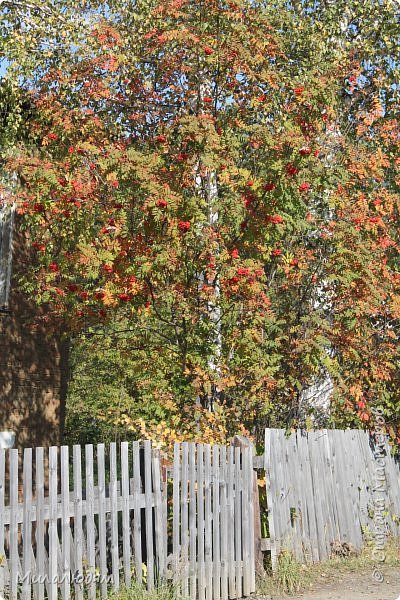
(33, 368)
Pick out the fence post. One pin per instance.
(243, 442)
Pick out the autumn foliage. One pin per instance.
(224, 224)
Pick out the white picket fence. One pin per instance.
(83, 523)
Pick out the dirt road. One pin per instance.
(355, 586)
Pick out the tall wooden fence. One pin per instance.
(326, 488)
(79, 523)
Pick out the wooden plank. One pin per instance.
(200, 522)
(344, 484)
(353, 465)
(90, 543)
(148, 490)
(137, 516)
(216, 525)
(192, 522)
(252, 489)
(246, 522)
(364, 484)
(185, 520)
(231, 523)
(102, 520)
(78, 530)
(19, 510)
(328, 506)
(27, 526)
(2, 526)
(270, 500)
(160, 541)
(53, 534)
(393, 490)
(35, 583)
(114, 516)
(302, 499)
(322, 513)
(312, 491)
(65, 524)
(279, 493)
(317, 478)
(126, 547)
(208, 520)
(330, 486)
(304, 496)
(238, 524)
(341, 484)
(369, 475)
(176, 549)
(40, 529)
(224, 523)
(289, 525)
(14, 559)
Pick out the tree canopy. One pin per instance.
(211, 194)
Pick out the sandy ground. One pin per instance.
(352, 586)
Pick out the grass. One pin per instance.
(138, 592)
(292, 577)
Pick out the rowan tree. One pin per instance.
(195, 200)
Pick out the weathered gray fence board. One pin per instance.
(78, 530)
(224, 523)
(231, 521)
(126, 549)
(200, 522)
(192, 521)
(53, 534)
(102, 519)
(321, 509)
(185, 520)
(160, 535)
(238, 524)
(114, 516)
(65, 524)
(208, 520)
(27, 525)
(246, 524)
(137, 523)
(90, 543)
(216, 525)
(149, 513)
(293, 519)
(2, 528)
(250, 507)
(176, 516)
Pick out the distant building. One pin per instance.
(33, 365)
